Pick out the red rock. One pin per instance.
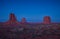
(46, 20)
(12, 20)
(23, 20)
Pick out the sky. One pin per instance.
(32, 10)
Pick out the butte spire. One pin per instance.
(47, 20)
(12, 18)
(23, 20)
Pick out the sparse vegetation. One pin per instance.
(28, 33)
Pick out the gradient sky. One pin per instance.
(32, 10)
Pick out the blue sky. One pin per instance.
(32, 10)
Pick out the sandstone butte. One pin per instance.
(39, 30)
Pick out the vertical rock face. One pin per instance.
(12, 17)
(12, 20)
(23, 20)
(47, 20)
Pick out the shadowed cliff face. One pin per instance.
(12, 18)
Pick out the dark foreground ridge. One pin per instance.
(12, 29)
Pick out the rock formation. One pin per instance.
(46, 20)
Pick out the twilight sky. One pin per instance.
(32, 10)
